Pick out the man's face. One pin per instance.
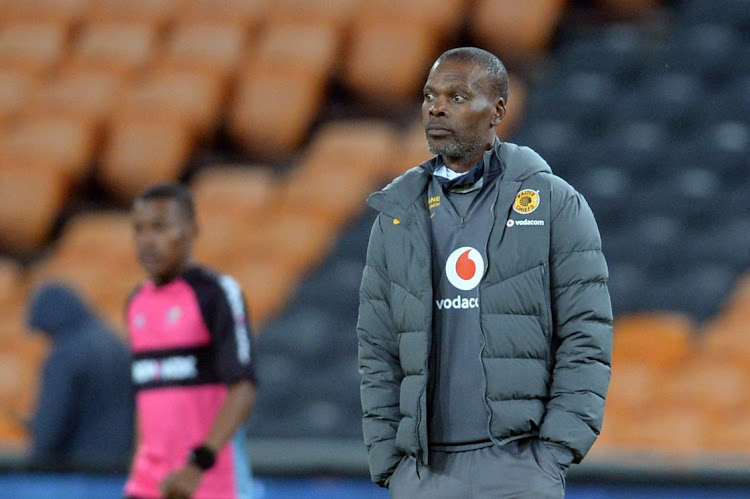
(458, 112)
(163, 237)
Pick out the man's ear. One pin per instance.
(499, 112)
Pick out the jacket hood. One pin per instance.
(58, 310)
(517, 163)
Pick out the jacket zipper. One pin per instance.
(481, 329)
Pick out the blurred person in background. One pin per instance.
(84, 412)
(192, 361)
(485, 324)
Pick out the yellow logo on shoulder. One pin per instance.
(526, 201)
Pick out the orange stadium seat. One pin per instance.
(67, 11)
(413, 149)
(13, 284)
(293, 241)
(665, 430)
(248, 14)
(366, 146)
(388, 61)
(20, 365)
(16, 89)
(96, 253)
(515, 108)
(703, 382)
(142, 150)
(657, 338)
(730, 434)
(31, 199)
(215, 47)
(66, 141)
(119, 47)
(633, 386)
(309, 47)
(241, 191)
(189, 96)
(266, 287)
(34, 47)
(272, 110)
(229, 201)
(517, 32)
(445, 17)
(309, 191)
(86, 94)
(337, 12)
(158, 12)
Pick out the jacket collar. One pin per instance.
(515, 162)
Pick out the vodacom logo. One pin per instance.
(465, 268)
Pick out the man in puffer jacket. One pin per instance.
(485, 325)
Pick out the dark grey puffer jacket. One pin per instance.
(545, 313)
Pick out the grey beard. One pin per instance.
(456, 149)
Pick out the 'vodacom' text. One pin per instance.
(457, 302)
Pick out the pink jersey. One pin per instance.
(189, 338)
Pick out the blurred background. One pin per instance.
(283, 115)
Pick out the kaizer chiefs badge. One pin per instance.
(526, 201)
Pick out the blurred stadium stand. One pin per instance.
(282, 116)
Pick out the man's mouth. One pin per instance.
(438, 131)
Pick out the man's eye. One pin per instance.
(429, 96)
(459, 98)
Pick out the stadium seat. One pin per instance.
(660, 430)
(399, 49)
(337, 12)
(708, 385)
(306, 46)
(13, 287)
(272, 110)
(119, 47)
(16, 90)
(515, 31)
(211, 47)
(445, 17)
(66, 141)
(674, 98)
(411, 151)
(363, 147)
(659, 339)
(243, 191)
(20, 366)
(248, 14)
(21, 11)
(618, 51)
(580, 98)
(95, 252)
(192, 97)
(707, 49)
(229, 200)
(142, 150)
(296, 242)
(33, 47)
(86, 94)
(266, 286)
(31, 198)
(629, 9)
(309, 192)
(157, 12)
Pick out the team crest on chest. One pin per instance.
(526, 201)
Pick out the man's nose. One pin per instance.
(437, 108)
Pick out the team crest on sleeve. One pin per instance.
(526, 201)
